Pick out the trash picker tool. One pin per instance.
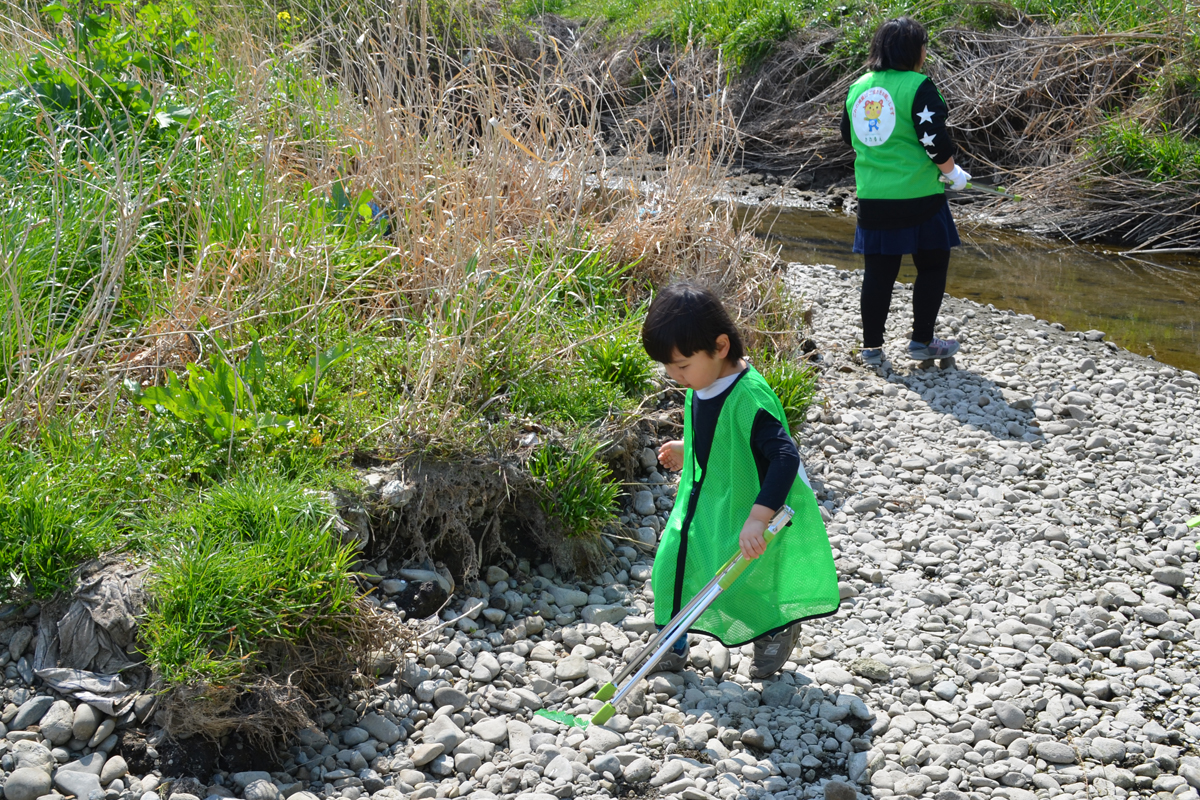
(649, 656)
(999, 191)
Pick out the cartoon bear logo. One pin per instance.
(871, 110)
(873, 116)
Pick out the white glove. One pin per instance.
(957, 178)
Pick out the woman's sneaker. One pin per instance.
(871, 356)
(772, 652)
(937, 348)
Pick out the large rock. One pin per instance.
(568, 597)
(244, 779)
(491, 730)
(80, 784)
(1009, 715)
(381, 728)
(1106, 750)
(1055, 752)
(85, 722)
(27, 784)
(449, 696)
(639, 770)
(426, 752)
(443, 731)
(31, 712)
(114, 768)
(57, 723)
(262, 790)
(599, 614)
(34, 755)
(93, 763)
(571, 668)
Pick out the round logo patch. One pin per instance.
(874, 116)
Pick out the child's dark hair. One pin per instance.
(688, 318)
(897, 45)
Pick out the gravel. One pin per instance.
(1017, 618)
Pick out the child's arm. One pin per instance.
(752, 541)
(779, 462)
(670, 455)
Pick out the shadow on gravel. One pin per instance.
(975, 401)
(794, 729)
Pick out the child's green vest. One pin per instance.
(890, 163)
(793, 580)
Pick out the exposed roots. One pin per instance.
(270, 705)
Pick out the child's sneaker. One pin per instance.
(937, 348)
(871, 356)
(772, 652)
(676, 658)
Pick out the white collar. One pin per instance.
(717, 386)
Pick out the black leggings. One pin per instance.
(878, 279)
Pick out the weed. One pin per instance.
(227, 400)
(795, 386)
(578, 489)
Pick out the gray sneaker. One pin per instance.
(937, 348)
(871, 356)
(772, 652)
(672, 661)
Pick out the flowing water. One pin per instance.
(1149, 307)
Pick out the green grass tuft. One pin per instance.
(248, 566)
(1123, 146)
(578, 488)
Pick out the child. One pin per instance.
(895, 120)
(739, 467)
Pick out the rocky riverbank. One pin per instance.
(1017, 619)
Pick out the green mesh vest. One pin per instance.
(793, 580)
(889, 161)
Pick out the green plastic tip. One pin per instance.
(563, 718)
(1192, 523)
(605, 713)
(606, 691)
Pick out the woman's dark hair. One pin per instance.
(688, 318)
(897, 45)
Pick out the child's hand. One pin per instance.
(670, 455)
(752, 541)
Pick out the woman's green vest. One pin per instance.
(890, 163)
(793, 580)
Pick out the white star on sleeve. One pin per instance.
(927, 140)
(926, 116)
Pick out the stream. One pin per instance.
(1150, 305)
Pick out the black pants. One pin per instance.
(880, 277)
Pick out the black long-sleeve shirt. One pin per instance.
(929, 114)
(775, 454)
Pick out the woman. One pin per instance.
(895, 119)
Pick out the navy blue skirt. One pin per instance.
(936, 233)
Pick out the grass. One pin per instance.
(227, 275)
(247, 565)
(1122, 146)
